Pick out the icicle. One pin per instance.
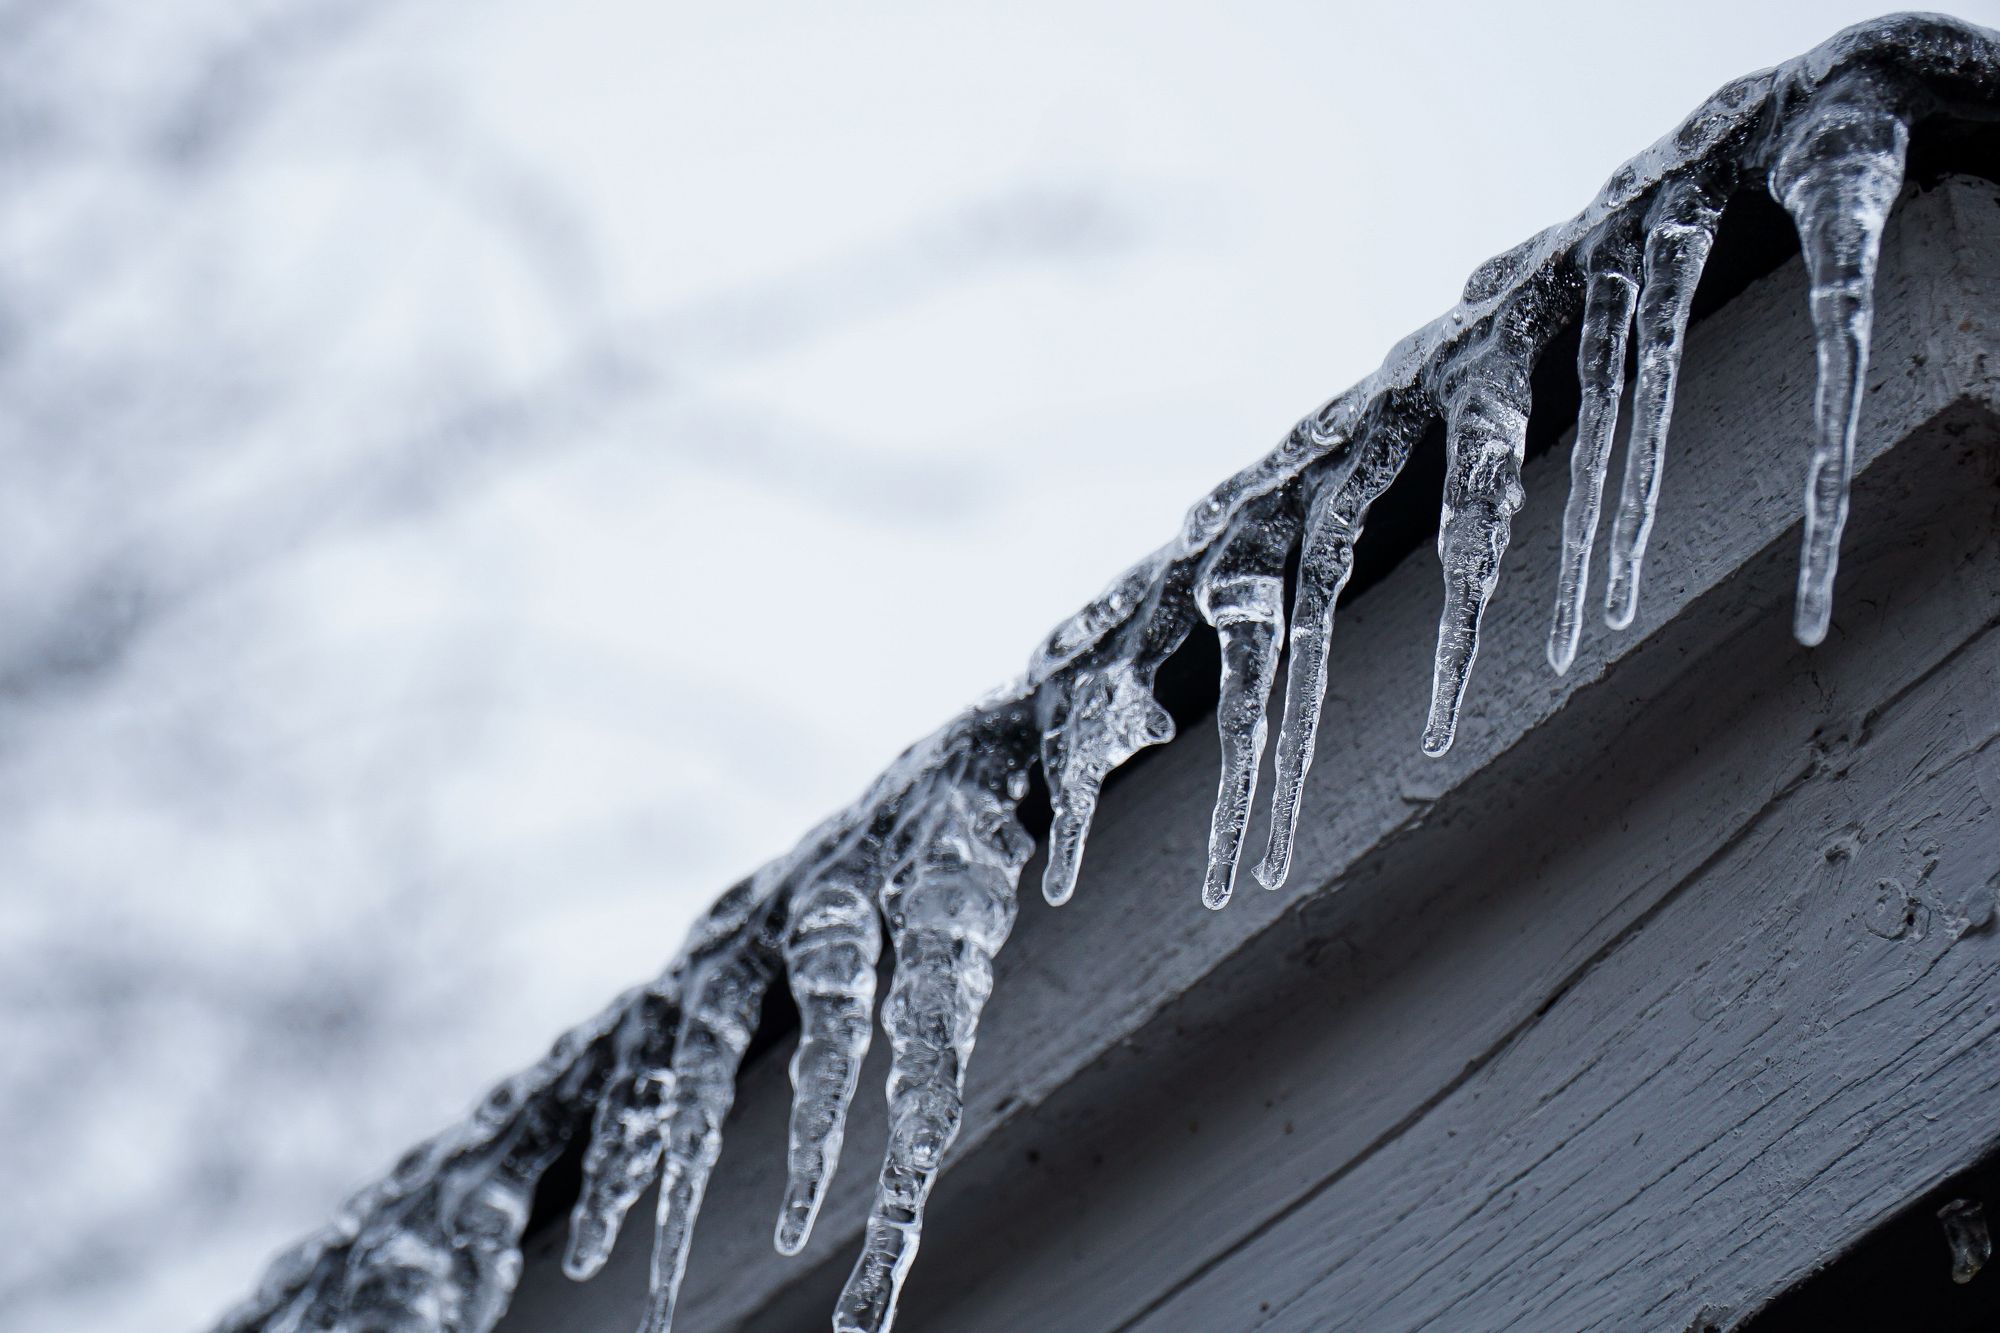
(1965, 1233)
(1326, 558)
(831, 946)
(629, 1124)
(1100, 711)
(1838, 175)
(722, 997)
(488, 1202)
(1486, 436)
(624, 1153)
(1611, 291)
(1102, 716)
(949, 908)
(1339, 506)
(1241, 591)
(1680, 229)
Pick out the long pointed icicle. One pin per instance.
(831, 946)
(1103, 715)
(1838, 176)
(1610, 294)
(1680, 231)
(1241, 591)
(949, 911)
(1381, 445)
(722, 998)
(1486, 437)
(623, 1158)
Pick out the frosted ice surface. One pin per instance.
(933, 851)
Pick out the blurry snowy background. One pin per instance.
(476, 477)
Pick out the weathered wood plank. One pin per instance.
(1062, 1010)
(1789, 1046)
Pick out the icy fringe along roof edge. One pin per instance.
(933, 850)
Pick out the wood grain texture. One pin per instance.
(1447, 1092)
(1785, 1043)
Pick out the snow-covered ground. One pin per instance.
(476, 478)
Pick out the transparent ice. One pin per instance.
(933, 852)
(1964, 1223)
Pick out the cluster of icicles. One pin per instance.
(933, 852)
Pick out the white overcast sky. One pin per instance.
(560, 451)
